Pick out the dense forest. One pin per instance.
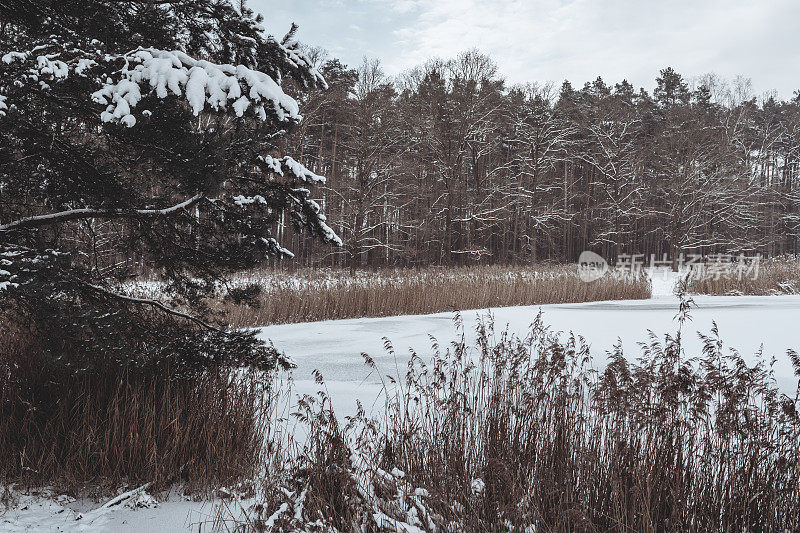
(446, 164)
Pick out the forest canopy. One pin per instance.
(448, 164)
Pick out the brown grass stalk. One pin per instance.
(521, 434)
(328, 295)
(100, 430)
(779, 275)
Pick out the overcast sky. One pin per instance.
(553, 40)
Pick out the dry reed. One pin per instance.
(98, 430)
(328, 295)
(521, 434)
(780, 275)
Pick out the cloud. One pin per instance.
(580, 39)
(553, 40)
(401, 6)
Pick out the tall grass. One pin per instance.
(522, 434)
(325, 295)
(780, 275)
(96, 431)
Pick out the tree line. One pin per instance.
(446, 164)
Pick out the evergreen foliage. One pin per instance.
(144, 132)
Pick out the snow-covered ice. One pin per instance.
(334, 347)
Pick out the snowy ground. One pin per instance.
(47, 511)
(335, 347)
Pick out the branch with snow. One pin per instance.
(275, 247)
(201, 82)
(311, 208)
(75, 214)
(152, 303)
(7, 278)
(299, 60)
(18, 263)
(94, 514)
(46, 64)
(288, 167)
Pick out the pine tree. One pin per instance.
(144, 133)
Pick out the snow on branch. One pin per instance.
(152, 71)
(295, 57)
(200, 82)
(308, 207)
(152, 303)
(47, 66)
(7, 278)
(274, 246)
(75, 214)
(327, 232)
(288, 167)
(18, 262)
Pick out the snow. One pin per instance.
(275, 245)
(296, 58)
(150, 70)
(663, 280)
(200, 82)
(301, 172)
(12, 56)
(335, 347)
(279, 165)
(44, 511)
(242, 200)
(83, 65)
(71, 214)
(54, 68)
(46, 66)
(386, 522)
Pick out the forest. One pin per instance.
(446, 164)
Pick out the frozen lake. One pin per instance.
(335, 347)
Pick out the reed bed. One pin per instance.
(118, 425)
(307, 296)
(523, 434)
(780, 275)
(96, 431)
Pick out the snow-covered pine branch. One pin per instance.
(309, 209)
(297, 59)
(153, 303)
(125, 79)
(75, 214)
(286, 166)
(201, 82)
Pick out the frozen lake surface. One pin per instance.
(334, 347)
